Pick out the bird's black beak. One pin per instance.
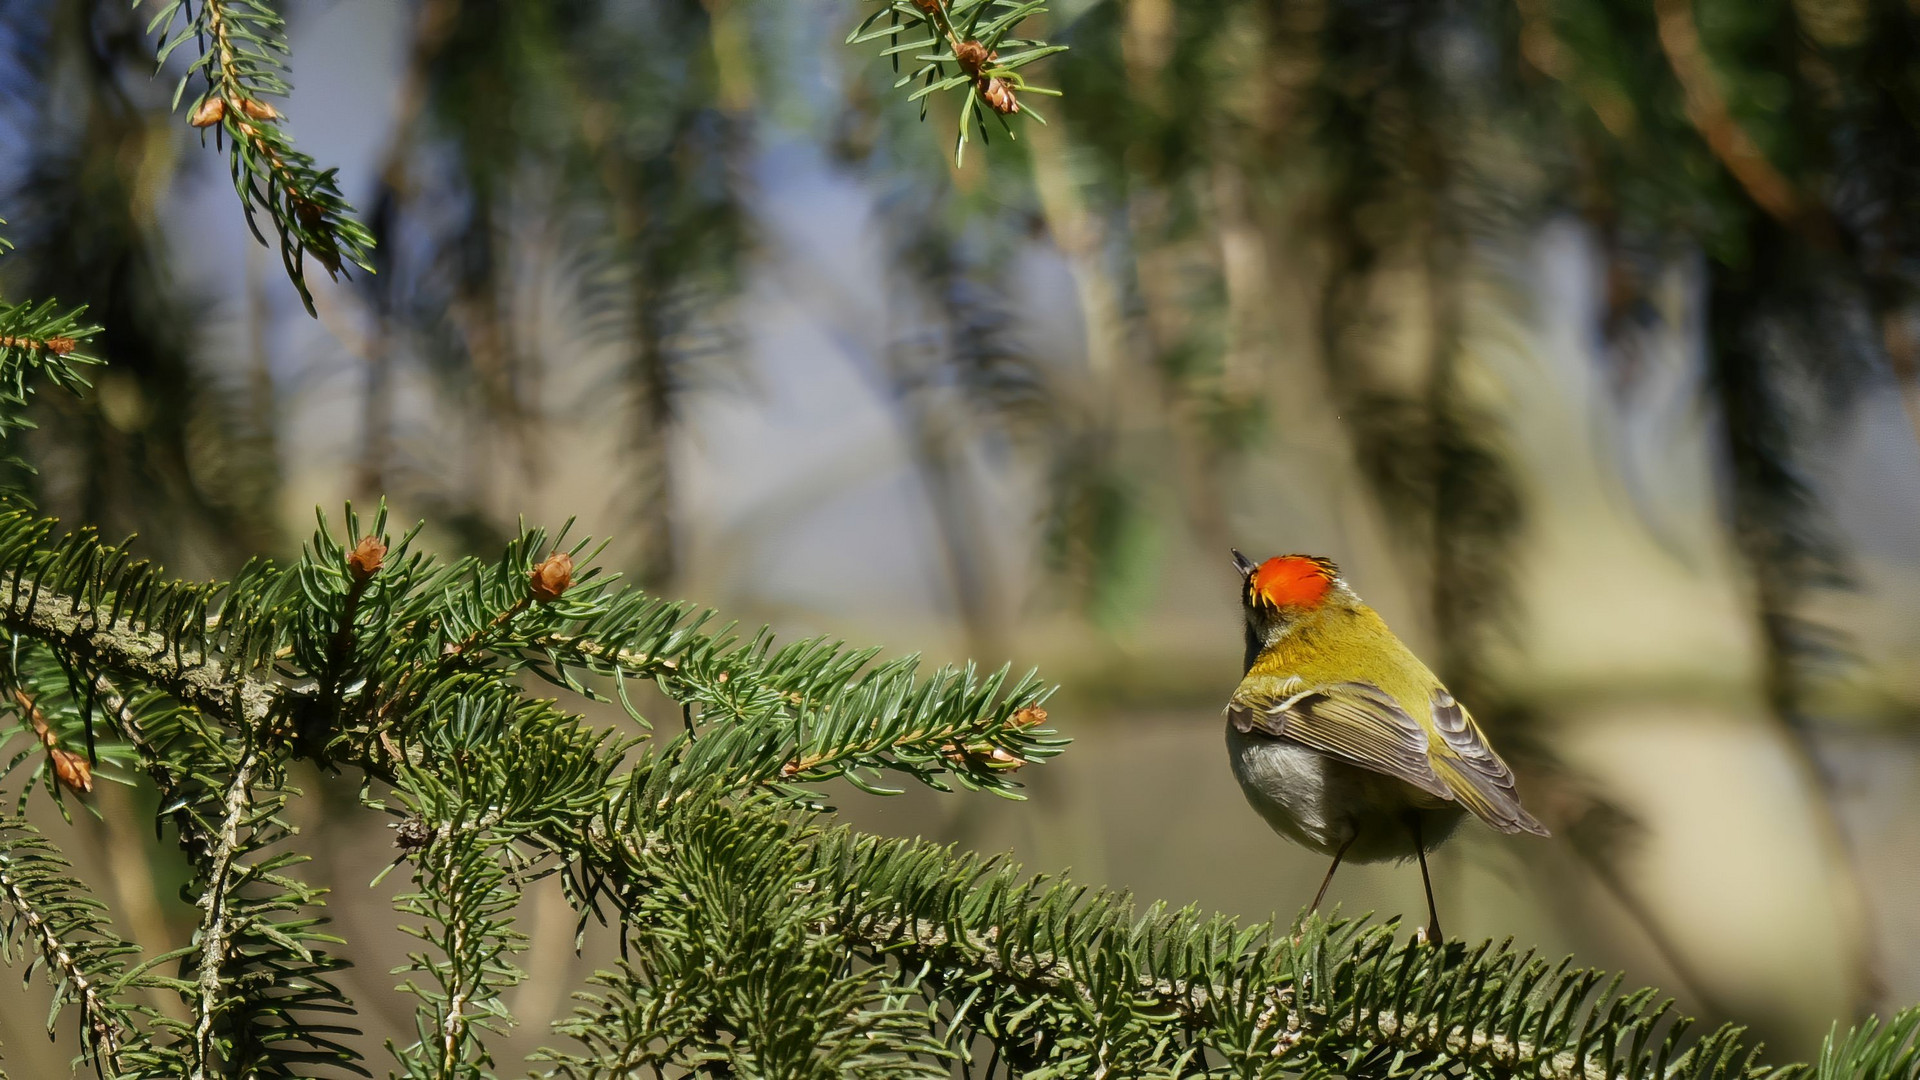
(1243, 564)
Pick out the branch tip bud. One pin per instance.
(551, 578)
(1031, 716)
(973, 56)
(73, 770)
(210, 112)
(999, 96)
(365, 558)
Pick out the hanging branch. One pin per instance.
(242, 60)
(1707, 110)
(964, 39)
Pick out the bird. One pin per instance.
(1343, 740)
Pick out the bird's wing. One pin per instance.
(1356, 722)
(1480, 780)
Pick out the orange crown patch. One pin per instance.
(1293, 580)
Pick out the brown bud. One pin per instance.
(411, 835)
(927, 6)
(972, 56)
(210, 112)
(365, 558)
(1031, 716)
(998, 95)
(71, 769)
(61, 346)
(551, 577)
(259, 110)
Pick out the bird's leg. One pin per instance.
(1433, 913)
(1328, 880)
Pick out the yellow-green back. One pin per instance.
(1322, 681)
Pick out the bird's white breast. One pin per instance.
(1288, 784)
(1320, 802)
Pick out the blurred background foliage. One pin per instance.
(1583, 334)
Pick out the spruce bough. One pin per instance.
(759, 938)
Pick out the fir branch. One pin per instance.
(963, 39)
(126, 714)
(1324, 994)
(1056, 977)
(796, 714)
(51, 913)
(258, 966)
(198, 678)
(811, 710)
(1872, 1050)
(40, 339)
(216, 928)
(466, 891)
(737, 963)
(242, 60)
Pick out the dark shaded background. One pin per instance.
(1582, 334)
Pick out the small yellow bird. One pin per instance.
(1340, 736)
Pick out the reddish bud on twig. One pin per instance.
(58, 346)
(551, 577)
(365, 558)
(210, 112)
(71, 769)
(1031, 716)
(259, 110)
(972, 56)
(998, 94)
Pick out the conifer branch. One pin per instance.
(69, 930)
(468, 897)
(200, 679)
(242, 61)
(1196, 1005)
(216, 930)
(40, 339)
(1041, 960)
(1707, 110)
(259, 969)
(960, 49)
(159, 767)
